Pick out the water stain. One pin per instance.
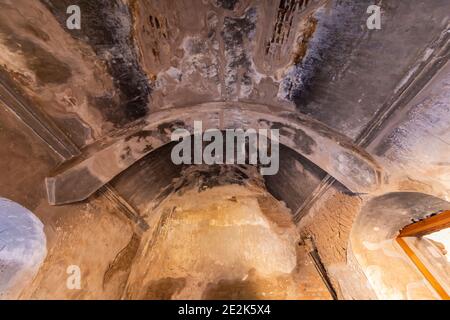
(123, 261)
(303, 42)
(47, 68)
(227, 4)
(107, 27)
(164, 289)
(304, 141)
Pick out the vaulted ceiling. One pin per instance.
(138, 60)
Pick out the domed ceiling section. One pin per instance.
(131, 58)
(134, 58)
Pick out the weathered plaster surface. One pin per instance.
(349, 72)
(135, 58)
(75, 234)
(415, 146)
(218, 234)
(92, 237)
(60, 74)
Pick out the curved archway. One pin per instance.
(372, 240)
(329, 150)
(22, 247)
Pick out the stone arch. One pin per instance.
(330, 150)
(373, 248)
(22, 248)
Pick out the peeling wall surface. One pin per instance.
(258, 259)
(87, 115)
